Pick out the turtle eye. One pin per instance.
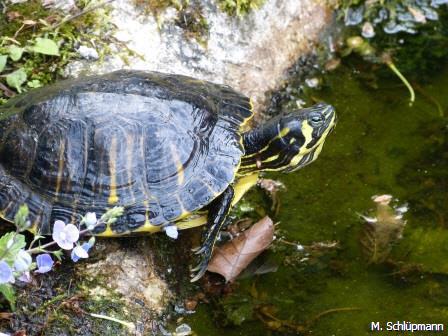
(316, 120)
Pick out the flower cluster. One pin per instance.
(16, 259)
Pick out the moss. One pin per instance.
(239, 7)
(157, 7)
(194, 24)
(21, 25)
(190, 16)
(62, 302)
(231, 7)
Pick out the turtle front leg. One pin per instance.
(217, 214)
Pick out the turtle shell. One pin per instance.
(162, 146)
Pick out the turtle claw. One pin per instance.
(200, 250)
(199, 271)
(195, 249)
(204, 256)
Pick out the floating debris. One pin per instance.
(354, 16)
(183, 330)
(382, 229)
(367, 30)
(312, 82)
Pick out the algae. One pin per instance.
(380, 145)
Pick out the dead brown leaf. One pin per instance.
(233, 257)
(6, 316)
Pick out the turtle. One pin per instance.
(172, 150)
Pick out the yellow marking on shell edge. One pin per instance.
(3, 216)
(60, 168)
(148, 227)
(113, 198)
(179, 166)
(32, 228)
(109, 233)
(191, 222)
(241, 186)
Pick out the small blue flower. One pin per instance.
(44, 263)
(23, 261)
(90, 220)
(5, 273)
(81, 251)
(65, 235)
(25, 277)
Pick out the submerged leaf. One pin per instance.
(383, 230)
(233, 257)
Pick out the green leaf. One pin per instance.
(10, 245)
(58, 254)
(21, 218)
(15, 52)
(8, 292)
(16, 79)
(35, 83)
(45, 46)
(3, 59)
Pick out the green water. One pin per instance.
(381, 145)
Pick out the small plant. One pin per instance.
(36, 42)
(16, 260)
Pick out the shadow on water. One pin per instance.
(380, 146)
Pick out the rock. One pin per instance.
(63, 5)
(88, 53)
(131, 270)
(250, 54)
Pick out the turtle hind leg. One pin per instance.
(217, 214)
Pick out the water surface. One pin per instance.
(381, 145)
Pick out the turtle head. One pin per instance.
(290, 141)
